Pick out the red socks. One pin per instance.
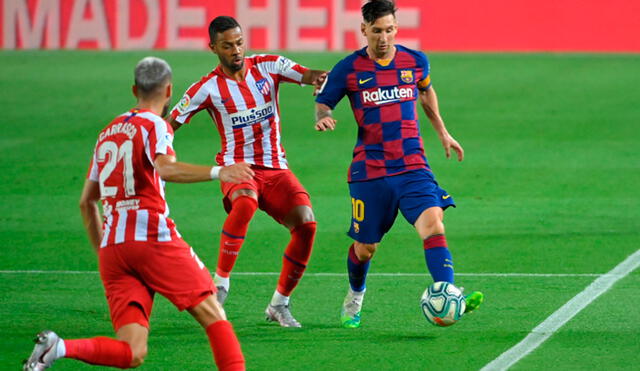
(233, 231)
(100, 351)
(225, 346)
(296, 257)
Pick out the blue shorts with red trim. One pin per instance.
(375, 203)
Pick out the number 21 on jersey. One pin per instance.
(357, 207)
(115, 154)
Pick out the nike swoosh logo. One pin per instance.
(365, 80)
(224, 101)
(445, 197)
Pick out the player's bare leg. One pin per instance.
(301, 223)
(360, 255)
(430, 227)
(244, 203)
(222, 339)
(136, 336)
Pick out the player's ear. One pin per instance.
(212, 47)
(363, 28)
(134, 89)
(169, 91)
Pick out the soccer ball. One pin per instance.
(443, 304)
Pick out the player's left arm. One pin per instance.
(429, 102)
(90, 212)
(171, 170)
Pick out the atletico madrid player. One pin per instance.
(241, 96)
(389, 171)
(139, 248)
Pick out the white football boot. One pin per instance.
(44, 353)
(282, 315)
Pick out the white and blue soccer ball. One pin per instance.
(443, 304)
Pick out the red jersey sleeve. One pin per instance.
(161, 139)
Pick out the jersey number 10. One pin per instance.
(125, 154)
(357, 207)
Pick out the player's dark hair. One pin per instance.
(150, 74)
(375, 9)
(220, 24)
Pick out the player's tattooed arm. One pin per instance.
(429, 102)
(324, 118)
(90, 213)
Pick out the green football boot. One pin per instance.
(349, 321)
(350, 315)
(473, 301)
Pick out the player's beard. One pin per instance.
(234, 67)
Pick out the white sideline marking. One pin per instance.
(425, 274)
(561, 316)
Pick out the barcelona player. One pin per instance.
(389, 171)
(139, 248)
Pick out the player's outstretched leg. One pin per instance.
(231, 239)
(294, 263)
(96, 351)
(352, 305)
(440, 264)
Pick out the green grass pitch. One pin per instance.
(549, 185)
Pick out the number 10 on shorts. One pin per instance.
(357, 208)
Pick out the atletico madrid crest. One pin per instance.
(263, 86)
(406, 76)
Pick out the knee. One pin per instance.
(435, 227)
(364, 251)
(138, 354)
(431, 227)
(299, 216)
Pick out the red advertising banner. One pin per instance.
(323, 25)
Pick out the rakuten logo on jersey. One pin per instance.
(252, 116)
(387, 95)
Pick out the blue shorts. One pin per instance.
(375, 203)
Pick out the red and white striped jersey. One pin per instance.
(246, 113)
(131, 190)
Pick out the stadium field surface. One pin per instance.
(548, 203)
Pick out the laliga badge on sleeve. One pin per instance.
(184, 103)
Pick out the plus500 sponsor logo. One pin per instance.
(252, 116)
(387, 95)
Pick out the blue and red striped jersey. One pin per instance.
(383, 99)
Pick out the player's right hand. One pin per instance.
(236, 173)
(326, 123)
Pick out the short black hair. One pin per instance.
(375, 9)
(220, 24)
